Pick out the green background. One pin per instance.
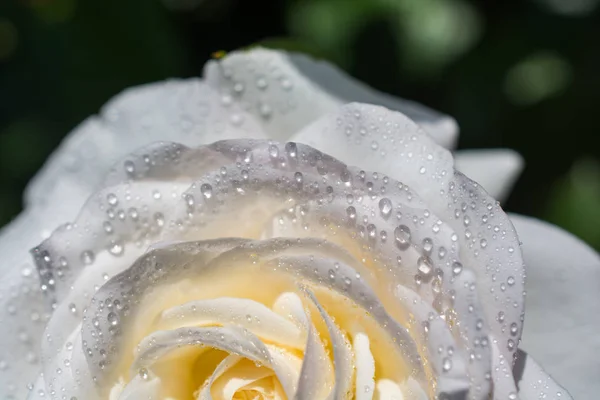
(517, 74)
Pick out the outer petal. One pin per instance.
(242, 95)
(443, 128)
(496, 170)
(385, 141)
(563, 305)
(186, 111)
(23, 310)
(287, 91)
(534, 383)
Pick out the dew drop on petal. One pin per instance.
(273, 151)
(351, 212)
(457, 268)
(291, 149)
(111, 198)
(424, 266)
(446, 364)
(87, 257)
(402, 236)
(116, 248)
(385, 207)
(427, 246)
(143, 373)
(206, 190)
(129, 167)
(159, 218)
(113, 319)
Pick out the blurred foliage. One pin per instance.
(519, 74)
(574, 201)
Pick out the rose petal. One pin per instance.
(241, 312)
(496, 170)
(193, 113)
(365, 367)
(23, 310)
(442, 128)
(236, 378)
(139, 388)
(450, 365)
(227, 363)
(390, 143)
(325, 184)
(286, 91)
(563, 304)
(534, 383)
(187, 110)
(231, 339)
(342, 358)
(316, 370)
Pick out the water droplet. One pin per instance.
(385, 207)
(372, 231)
(129, 167)
(108, 228)
(113, 319)
(236, 119)
(265, 110)
(424, 266)
(112, 199)
(133, 213)
(466, 220)
(87, 257)
(291, 149)
(273, 151)
(457, 268)
(351, 212)
(427, 246)
(238, 88)
(510, 344)
(436, 284)
(446, 364)
(298, 177)
(226, 100)
(159, 218)
(501, 316)
(143, 373)
(206, 190)
(286, 84)
(116, 248)
(189, 200)
(261, 83)
(402, 236)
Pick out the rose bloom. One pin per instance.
(277, 230)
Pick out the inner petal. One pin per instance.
(246, 313)
(239, 377)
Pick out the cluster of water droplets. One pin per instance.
(228, 184)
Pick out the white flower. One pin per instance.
(260, 266)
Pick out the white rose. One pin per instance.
(259, 267)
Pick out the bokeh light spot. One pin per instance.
(538, 77)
